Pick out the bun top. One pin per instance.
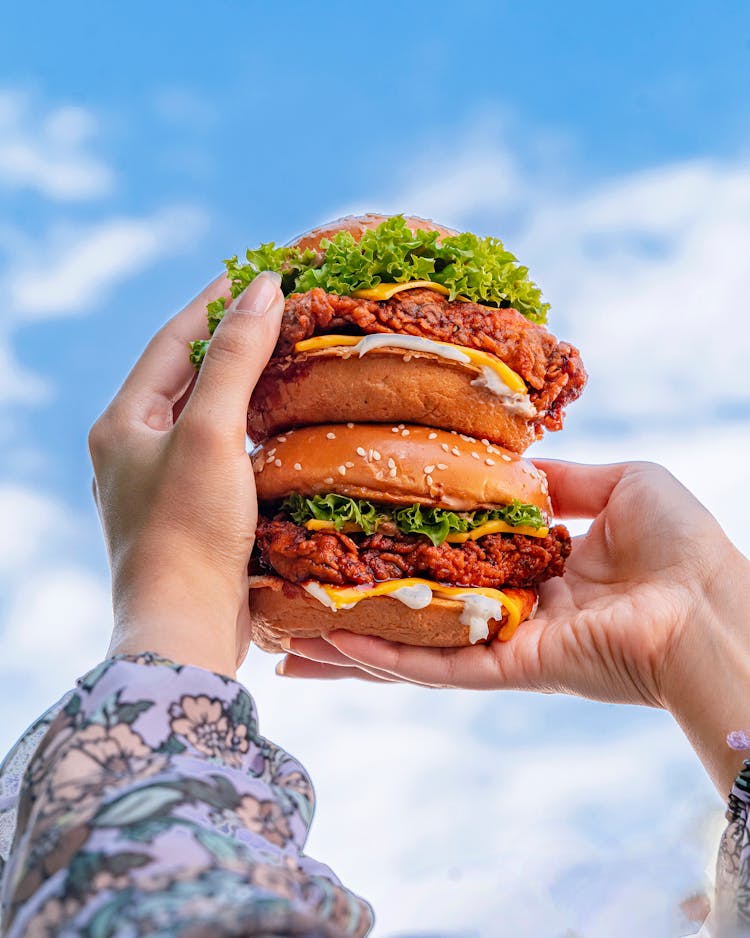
(358, 224)
(397, 464)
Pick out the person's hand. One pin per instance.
(652, 606)
(175, 487)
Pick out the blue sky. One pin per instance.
(609, 147)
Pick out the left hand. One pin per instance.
(175, 488)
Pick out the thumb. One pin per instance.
(580, 491)
(237, 354)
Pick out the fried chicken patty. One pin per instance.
(495, 560)
(553, 370)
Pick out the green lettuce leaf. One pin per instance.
(434, 523)
(480, 269)
(336, 508)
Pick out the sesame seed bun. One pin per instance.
(397, 464)
(280, 609)
(383, 386)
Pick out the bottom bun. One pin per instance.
(281, 609)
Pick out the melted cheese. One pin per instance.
(490, 527)
(314, 525)
(496, 527)
(510, 383)
(481, 604)
(384, 291)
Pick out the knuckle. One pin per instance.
(231, 342)
(102, 435)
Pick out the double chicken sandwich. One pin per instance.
(412, 369)
(400, 319)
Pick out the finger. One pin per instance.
(509, 665)
(293, 666)
(579, 491)
(321, 651)
(164, 371)
(237, 354)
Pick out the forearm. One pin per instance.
(707, 688)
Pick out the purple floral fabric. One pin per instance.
(151, 805)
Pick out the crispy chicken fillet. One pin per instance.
(553, 370)
(494, 560)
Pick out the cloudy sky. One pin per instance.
(141, 144)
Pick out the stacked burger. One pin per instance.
(412, 370)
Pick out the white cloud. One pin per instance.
(646, 272)
(55, 612)
(46, 150)
(85, 265)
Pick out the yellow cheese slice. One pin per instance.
(384, 291)
(476, 357)
(346, 595)
(496, 527)
(490, 527)
(314, 525)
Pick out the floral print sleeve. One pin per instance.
(151, 805)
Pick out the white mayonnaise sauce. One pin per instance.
(417, 596)
(513, 402)
(413, 343)
(477, 612)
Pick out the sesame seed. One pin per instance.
(401, 426)
(328, 480)
(392, 472)
(361, 451)
(277, 463)
(432, 436)
(330, 435)
(271, 453)
(376, 455)
(350, 425)
(342, 470)
(429, 469)
(490, 462)
(505, 457)
(491, 449)
(456, 451)
(441, 465)
(429, 480)
(407, 357)
(467, 439)
(391, 464)
(404, 433)
(349, 465)
(445, 447)
(297, 466)
(379, 474)
(394, 429)
(281, 439)
(485, 441)
(475, 455)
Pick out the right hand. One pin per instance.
(647, 613)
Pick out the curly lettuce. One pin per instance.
(480, 269)
(434, 523)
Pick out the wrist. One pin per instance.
(707, 683)
(194, 619)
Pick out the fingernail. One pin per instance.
(258, 298)
(286, 642)
(281, 668)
